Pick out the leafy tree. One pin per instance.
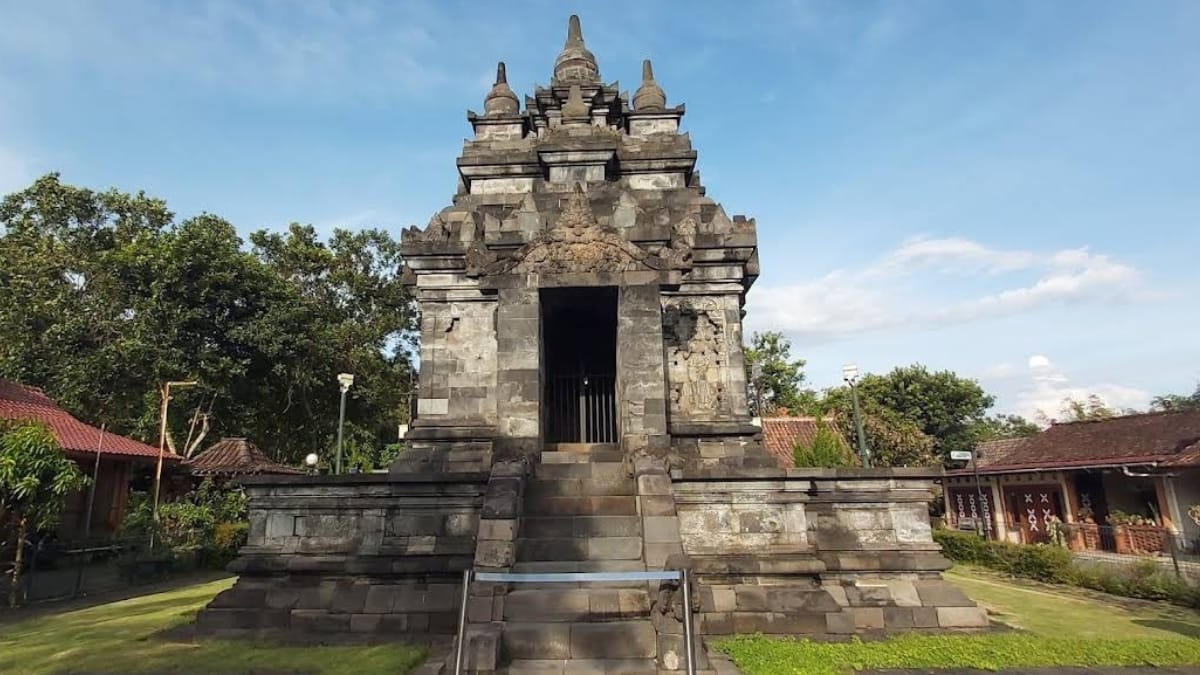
(778, 386)
(995, 427)
(1091, 408)
(104, 296)
(892, 440)
(1177, 401)
(943, 405)
(826, 449)
(35, 480)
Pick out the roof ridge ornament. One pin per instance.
(650, 95)
(575, 108)
(501, 101)
(575, 63)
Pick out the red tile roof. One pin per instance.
(1162, 438)
(22, 403)
(235, 456)
(781, 434)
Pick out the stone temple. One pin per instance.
(583, 407)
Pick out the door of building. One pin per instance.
(1033, 509)
(579, 351)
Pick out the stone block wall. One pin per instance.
(351, 556)
(458, 363)
(816, 551)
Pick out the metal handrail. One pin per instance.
(683, 576)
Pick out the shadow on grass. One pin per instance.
(1181, 627)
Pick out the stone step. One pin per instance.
(576, 604)
(581, 667)
(538, 505)
(587, 548)
(603, 470)
(591, 486)
(604, 640)
(555, 527)
(553, 457)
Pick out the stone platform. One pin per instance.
(814, 552)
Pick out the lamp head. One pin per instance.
(850, 372)
(310, 460)
(345, 380)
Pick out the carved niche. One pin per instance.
(579, 243)
(697, 367)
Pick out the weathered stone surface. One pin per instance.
(962, 617)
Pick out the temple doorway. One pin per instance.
(579, 351)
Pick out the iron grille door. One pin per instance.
(582, 409)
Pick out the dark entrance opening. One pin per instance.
(579, 351)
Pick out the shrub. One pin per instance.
(207, 524)
(1053, 564)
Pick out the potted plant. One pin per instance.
(1136, 533)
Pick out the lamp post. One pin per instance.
(850, 375)
(345, 380)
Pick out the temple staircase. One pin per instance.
(580, 515)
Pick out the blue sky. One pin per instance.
(1007, 189)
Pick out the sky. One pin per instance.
(1006, 189)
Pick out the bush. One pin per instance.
(207, 525)
(1040, 562)
(825, 449)
(1053, 564)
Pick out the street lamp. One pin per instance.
(311, 462)
(162, 444)
(345, 380)
(850, 375)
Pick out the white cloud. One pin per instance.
(317, 50)
(1049, 386)
(898, 291)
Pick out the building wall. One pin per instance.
(1184, 491)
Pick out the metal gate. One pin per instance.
(581, 409)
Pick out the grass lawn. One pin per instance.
(116, 638)
(1055, 628)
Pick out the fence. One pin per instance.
(54, 569)
(1131, 543)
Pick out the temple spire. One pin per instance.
(575, 63)
(501, 101)
(649, 96)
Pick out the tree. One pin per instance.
(826, 449)
(778, 386)
(35, 479)
(1089, 409)
(105, 295)
(1168, 402)
(1000, 426)
(943, 405)
(891, 439)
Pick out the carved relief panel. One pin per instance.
(696, 339)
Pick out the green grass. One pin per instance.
(1054, 628)
(119, 638)
(758, 655)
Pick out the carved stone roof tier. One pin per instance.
(632, 166)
